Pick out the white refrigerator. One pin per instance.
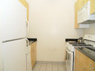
(14, 36)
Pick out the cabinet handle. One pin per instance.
(91, 66)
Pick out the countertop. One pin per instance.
(88, 54)
(71, 39)
(32, 40)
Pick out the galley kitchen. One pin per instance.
(47, 35)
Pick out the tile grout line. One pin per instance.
(46, 67)
(40, 67)
(58, 66)
(52, 66)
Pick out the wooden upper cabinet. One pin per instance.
(85, 1)
(76, 13)
(78, 5)
(25, 3)
(76, 17)
(92, 6)
(81, 3)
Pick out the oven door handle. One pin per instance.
(69, 51)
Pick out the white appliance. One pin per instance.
(89, 41)
(84, 16)
(14, 36)
(14, 55)
(14, 20)
(69, 57)
(27, 28)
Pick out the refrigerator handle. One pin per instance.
(27, 42)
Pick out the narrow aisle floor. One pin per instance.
(49, 66)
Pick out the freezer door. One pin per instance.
(14, 20)
(14, 55)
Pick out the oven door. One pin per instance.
(69, 60)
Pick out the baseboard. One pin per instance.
(63, 62)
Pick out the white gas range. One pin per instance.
(89, 41)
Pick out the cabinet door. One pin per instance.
(78, 65)
(33, 47)
(92, 5)
(87, 61)
(83, 63)
(34, 52)
(32, 55)
(76, 14)
(85, 1)
(81, 3)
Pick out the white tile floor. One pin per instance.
(49, 66)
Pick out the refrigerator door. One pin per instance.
(14, 20)
(14, 55)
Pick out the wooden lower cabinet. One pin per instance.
(83, 63)
(78, 64)
(81, 66)
(33, 53)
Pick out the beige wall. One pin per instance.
(90, 30)
(51, 21)
(0, 36)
